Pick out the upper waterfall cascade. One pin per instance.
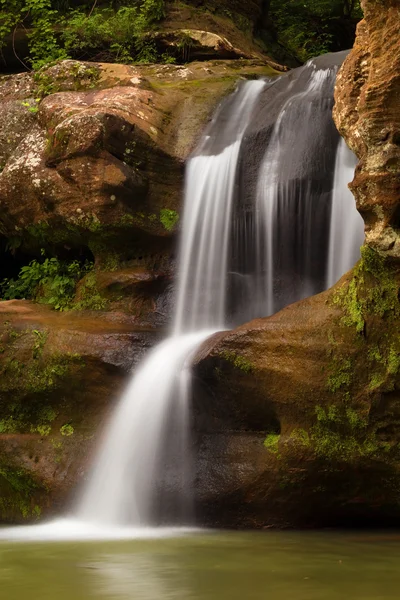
(267, 220)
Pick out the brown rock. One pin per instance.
(100, 158)
(64, 373)
(367, 115)
(296, 416)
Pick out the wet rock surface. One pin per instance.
(61, 375)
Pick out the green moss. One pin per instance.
(374, 354)
(376, 381)
(341, 434)
(67, 430)
(393, 362)
(271, 442)
(111, 261)
(373, 290)
(348, 299)
(80, 76)
(90, 297)
(238, 361)
(17, 488)
(168, 218)
(36, 378)
(340, 374)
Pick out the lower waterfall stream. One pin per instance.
(243, 254)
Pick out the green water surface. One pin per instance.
(213, 566)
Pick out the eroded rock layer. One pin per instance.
(367, 115)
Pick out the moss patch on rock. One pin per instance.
(18, 494)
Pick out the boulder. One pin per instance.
(296, 416)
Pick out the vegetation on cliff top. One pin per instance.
(107, 32)
(121, 31)
(307, 28)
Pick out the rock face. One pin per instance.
(60, 375)
(297, 415)
(367, 115)
(92, 159)
(96, 151)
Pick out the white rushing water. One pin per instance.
(124, 484)
(346, 224)
(308, 230)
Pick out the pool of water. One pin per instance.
(206, 566)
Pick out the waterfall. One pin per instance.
(347, 226)
(295, 210)
(268, 219)
(151, 421)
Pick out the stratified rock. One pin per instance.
(297, 416)
(96, 151)
(60, 376)
(367, 115)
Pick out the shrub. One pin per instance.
(102, 32)
(50, 282)
(309, 28)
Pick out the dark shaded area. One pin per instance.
(292, 121)
(14, 257)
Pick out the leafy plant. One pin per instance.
(117, 35)
(56, 33)
(168, 218)
(67, 430)
(309, 28)
(49, 282)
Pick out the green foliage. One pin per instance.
(341, 434)
(106, 32)
(90, 298)
(340, 375)
(168, 218)
(17, 488)
(309, 28)
(238, 361)
(50, 282)
(373, 290)
(117, 35)
(43, 44)
(271, 442)
(67, 430)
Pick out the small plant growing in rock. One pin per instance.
(168, 218)
(67, 430)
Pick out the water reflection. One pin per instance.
(148, 576)
(229, 566)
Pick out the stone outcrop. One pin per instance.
(367, 115)
(96, 151)
(92, 159)
(296, 417)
